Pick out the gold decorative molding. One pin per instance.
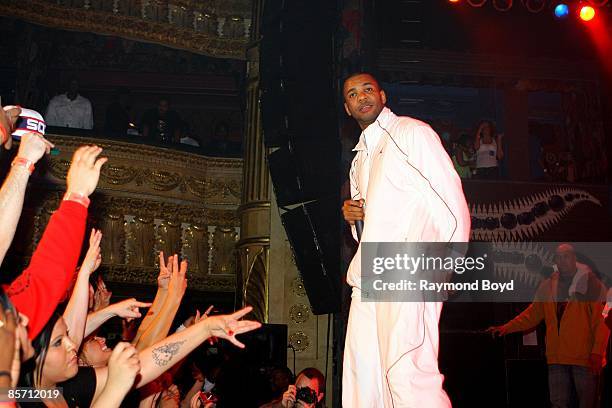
(219, 28)
(136, 229)
(156, 171)
(152, 199)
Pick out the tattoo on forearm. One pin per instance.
(162, 355)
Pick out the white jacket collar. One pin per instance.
(384, 118)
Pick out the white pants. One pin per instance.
(391, 356)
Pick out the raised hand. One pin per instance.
(165, 271)
(101, 296)
(84, 171)
(8, 118)
(123, 366)
(33, 147)
(228, 326)
(178, 281)
(93, 259)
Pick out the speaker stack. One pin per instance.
(299, 117)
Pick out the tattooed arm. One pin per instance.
(161, 356)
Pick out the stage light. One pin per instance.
(561, 10)
(587, 13)
(454, 1)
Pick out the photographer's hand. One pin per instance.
(288, 400)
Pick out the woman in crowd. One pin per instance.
(56, 360)
(489, 152)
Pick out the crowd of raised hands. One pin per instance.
(50, 315)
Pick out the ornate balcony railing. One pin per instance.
(150, 199)
(219, 28)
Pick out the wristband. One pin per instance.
(77, 197)
(23, 162)
(5, 373)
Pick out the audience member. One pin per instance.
(463, 157)
(307, 392)
(70, 109)
(56, 360)
(569, 302)
(489, 151)
(162, 124)
(38, 290)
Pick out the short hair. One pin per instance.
(356, 73)
(311, 373)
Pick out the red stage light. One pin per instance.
(587, 13)
(454, 1)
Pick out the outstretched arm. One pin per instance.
(160, 326)
(12, 193)
(75, 314)
(160, 357)
(38, 290)
(165, 271)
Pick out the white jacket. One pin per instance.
(411, 190)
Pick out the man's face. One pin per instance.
(311, 383)
(162, 107)
(73, 88)
(363, 99)
(565, 259)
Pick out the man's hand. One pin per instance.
(289, 397)
(93, 259)
(123, 366)
(33, 147)
(8, 118)
(84, 171)
(496, 331)
(595, 363)
(353, 210)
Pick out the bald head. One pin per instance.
(565, 259)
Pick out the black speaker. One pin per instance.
(296, 70)
(307, 171)
(313, 230)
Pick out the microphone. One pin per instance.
(359, 229)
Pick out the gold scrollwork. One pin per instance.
(118, 175)
(153, 24)
(162, 180)
(59, 168)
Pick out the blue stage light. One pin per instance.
(561, 11)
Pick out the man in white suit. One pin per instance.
(413, 194)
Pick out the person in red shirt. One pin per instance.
(38, 290)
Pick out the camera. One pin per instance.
(306, 394)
